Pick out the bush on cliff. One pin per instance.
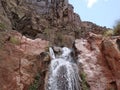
(14, 40)
(117, 29)
(108, 33)
(2, 26)
(35, 84)
(84, 83)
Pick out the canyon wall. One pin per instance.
(29, 27)
(99, 58)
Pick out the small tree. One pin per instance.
(117, 28)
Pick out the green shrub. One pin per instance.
(35, 84)
(84, 82)
(117, 29)
(108, 33)
(47, 32)
(2, 26)
(2, 39)
(14, 40)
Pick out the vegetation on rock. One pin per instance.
(108, 33)
(35, 84)
(14, 40)
(2, 26)
(117, 29)
(84, 83)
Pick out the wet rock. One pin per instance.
(57, 49)
(45, 57)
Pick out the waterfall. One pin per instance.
(63, 72)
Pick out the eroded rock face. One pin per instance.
(52, 20)
(99, 59)
(43, 19)
(34, 16)
(20, 61)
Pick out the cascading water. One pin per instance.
(63, 72)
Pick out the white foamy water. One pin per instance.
(63, 72)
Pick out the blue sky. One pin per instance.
(102, 12)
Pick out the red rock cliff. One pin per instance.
(20, 60)
(99, 59)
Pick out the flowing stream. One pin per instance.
(63, 72)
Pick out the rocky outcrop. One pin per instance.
(21, 61)
(111, 53)
(99, 60)
(92, 27)
(46, 19)
(35, 16)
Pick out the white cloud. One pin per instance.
(90, 3)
